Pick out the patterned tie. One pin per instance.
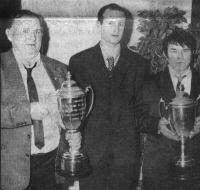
(33, 97)
(110, 63)
(179, 86)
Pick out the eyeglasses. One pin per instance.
(28, 31)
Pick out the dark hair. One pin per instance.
(24, 13)
(113, 6)
(181, 37)
(128, 24)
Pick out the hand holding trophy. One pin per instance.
(73, 110)
(181, 113)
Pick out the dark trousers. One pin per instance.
(43, 171)
(111, 174)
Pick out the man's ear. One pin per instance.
(9, 34)
(98, 25)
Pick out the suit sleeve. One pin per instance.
(79, 71)
(147, 121)
(147, 118)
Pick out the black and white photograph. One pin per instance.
(100, 95)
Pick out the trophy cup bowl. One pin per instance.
(181, 113)
(73, 110)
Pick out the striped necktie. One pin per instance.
(110, 63)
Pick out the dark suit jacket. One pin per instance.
(160, 152)
(111, 124)
(16, 120)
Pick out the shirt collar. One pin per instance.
(110, 51)
(174, 74)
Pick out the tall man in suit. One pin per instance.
(116, 75)
(162, 145)
(29, 121)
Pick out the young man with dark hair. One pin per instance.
(116, 75)
(162, 145)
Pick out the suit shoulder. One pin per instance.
(135, 55)
(5, 58)
(83, 53)
(53, 62)
(136, 59)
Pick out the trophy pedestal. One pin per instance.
(187, 177)
(184, 169)
(74, 165)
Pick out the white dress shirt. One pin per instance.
(186, 82)
(44, 89)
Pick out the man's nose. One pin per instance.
(180, 54)
(32, 35)
(116, 28)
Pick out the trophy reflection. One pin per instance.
(73, 110)
(181, 113)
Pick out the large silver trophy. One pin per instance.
(181, 113)
(73, 110)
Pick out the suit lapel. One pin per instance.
(195, 86)
(98, 65)
(122, 66)
(98, 60)
(13, 77)
(53, 72)
(165, 85)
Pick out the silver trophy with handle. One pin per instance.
(72, 107)
(181, 113)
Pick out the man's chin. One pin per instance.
(115, 42)
(31, 55)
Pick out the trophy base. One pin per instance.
(184, 169)
(76, 165)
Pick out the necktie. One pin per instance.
(110, 63)
(33, 97)
(179, 86)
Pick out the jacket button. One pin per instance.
(28, 136)
(27, 155)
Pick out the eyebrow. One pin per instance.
(172, 48)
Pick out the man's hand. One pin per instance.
(196, 129)
(74, 140)
(164, 129)
(38, 110)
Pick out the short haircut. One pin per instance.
(180, 37)
(113, 6)
(24, 13)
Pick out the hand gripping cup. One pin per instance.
(73, 110)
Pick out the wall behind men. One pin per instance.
(72, 23)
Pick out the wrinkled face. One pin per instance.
(26, 36)
(112, 27)
(179, 57)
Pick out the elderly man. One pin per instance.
(29, 121)
(162, 145)
(116, 75)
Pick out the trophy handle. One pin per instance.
(87, 90)
(163, 109)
